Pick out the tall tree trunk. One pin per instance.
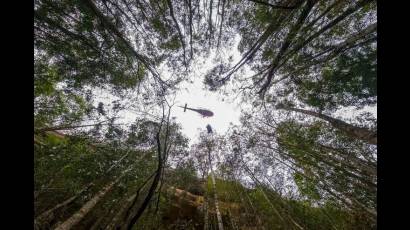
(283, 7)
(87, 207)
(181, 38)
(66, 127)
(276, 22)
(47, 216)
(287, 42)
(120, 213)
(364, 134)
(151, 190)
(190, 28)
(298, 46)
(257, 216)
(205, 209)
(218, 213)
(257, 181)
(233, 222)
(220, 27)
(210, 22)
(97, 223)
(113, 29)
(352, 160)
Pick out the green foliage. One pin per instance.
(46, 78)
(351, 81)
(263, 15)
(306, 186)
(172, 44)
(213, 78)
(158, 26)
(324, 160)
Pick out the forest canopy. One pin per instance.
(295, 160)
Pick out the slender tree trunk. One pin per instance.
(264, 195)
(120, 213)
(350, 130)
(113, 29)
(205, 208)
(220, 27)
(190, 28)
(349, 41)
(334, 22)
(151, 190)
(36, 141)
(283, 7)
(87, 207)
(257, 216)
(65, 127)
(48, 215)
(210, 22)
(181, 38)
(276, 22)
(232, 220)
(355, 161)
(326, 11)
(97, 223)
(218, 213)
(287, 42)
(41, 190)
(268, 200)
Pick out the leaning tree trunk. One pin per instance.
(87, 207)
(47, 216)
(364, 134)
(65, 127)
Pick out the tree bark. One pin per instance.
(111, 27)
(120, 213)
(210, 22)
(48, 215)
(218, 213)
(181, 38)
(360, 133)
(287, 42)
(190, 28)
(205, 208)
(151, 191)
(65, 127)
(87, 207)
(220, 27)
(276, 22)
(275, 6)
(334, 22)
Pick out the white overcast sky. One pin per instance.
(196, 97)
(193, 93)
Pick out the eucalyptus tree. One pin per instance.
(325, 164)
(295, 42)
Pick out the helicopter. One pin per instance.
(203, 112)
